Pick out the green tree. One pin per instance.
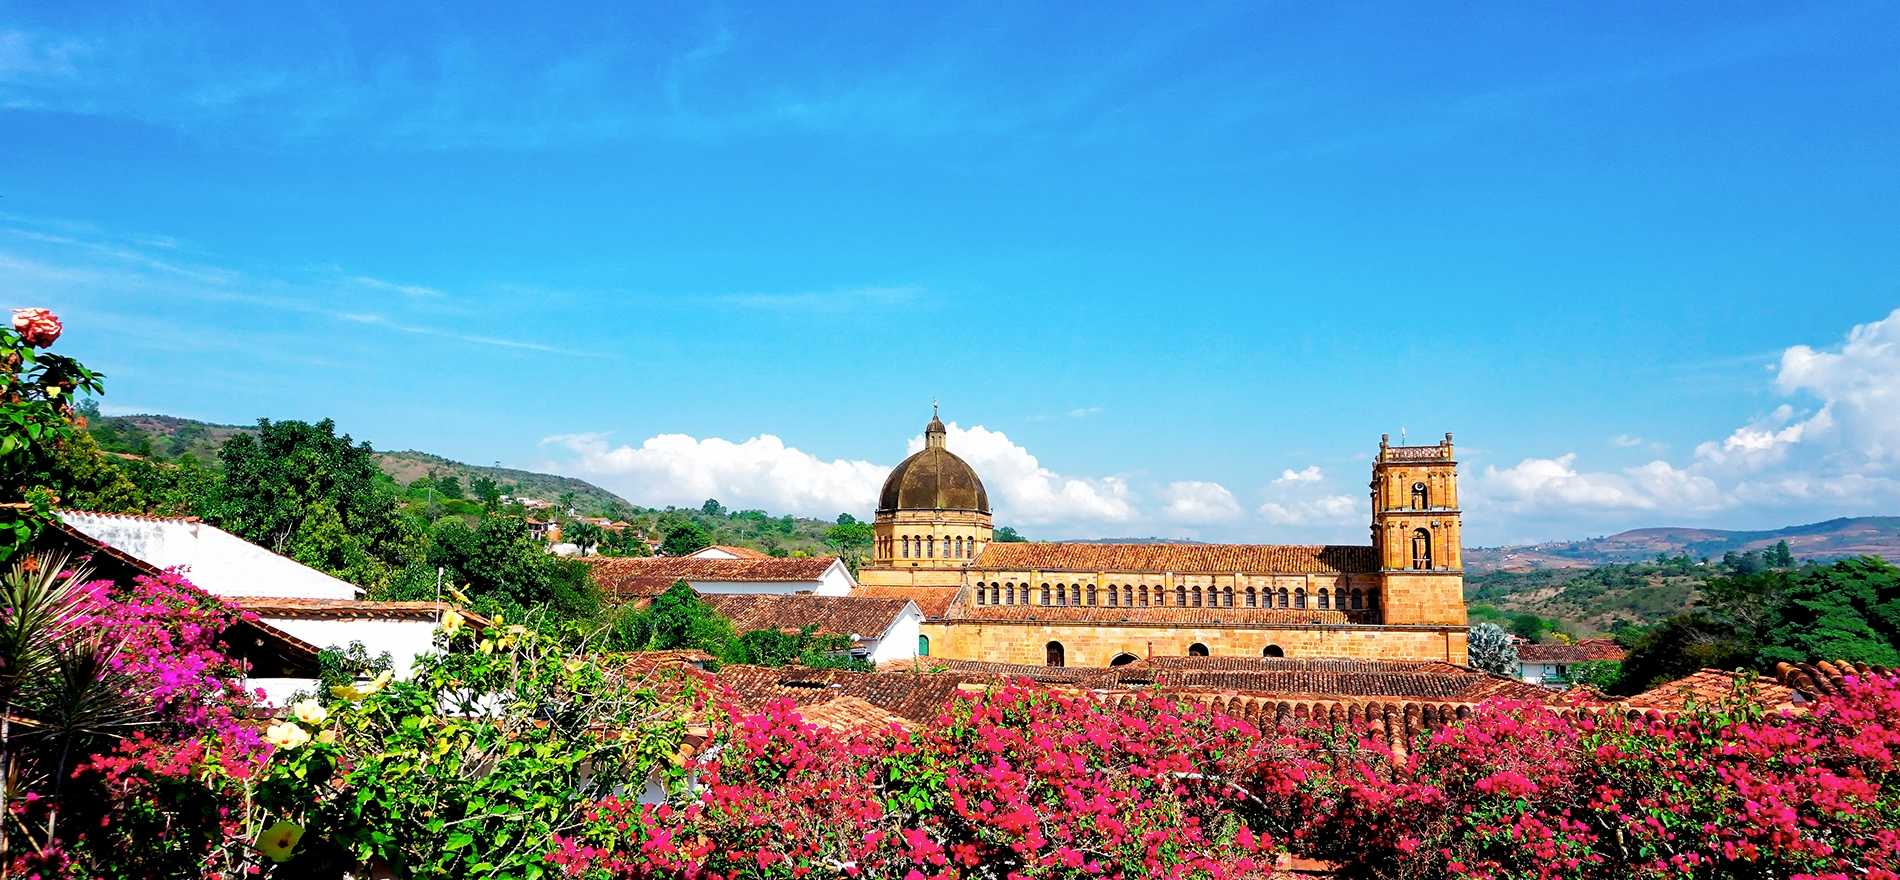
(449, 485)
(712, 507)
(1783, 557)
(685, 538)
(584, 535)
(486, 491)
(1007, 535)
(500, 567)
(850, 540)
(291, 477)
(1849, 610)
(676, 619)
(37, 389)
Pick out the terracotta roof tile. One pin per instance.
(741, 552)
(1584, 651)
(1709, 687)
(838, 615)
(1183, 558)
(919, 698)
(624, 578)
(934, 602)
(852, 714)
(352, 609)
(1824, 678)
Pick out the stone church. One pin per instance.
(1075, 604)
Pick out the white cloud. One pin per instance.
(1626, 441)
(1023, 491)
(824, 301)
(1198, 501)
(1321, 511)
(763, 472)
(1542, 484)
(1310, 474)
(760, 472)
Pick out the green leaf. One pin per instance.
(458, 841)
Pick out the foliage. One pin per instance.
(301, 489)
(1600, 674)
(808, 648)
(1586, 600)
(1844, 610)
(685, 538)
(676, 619)
(500, 566)
(341, 666)
(1492, 650)
(37, 389)
(850, 540)
(584, 535)
(1007, 535)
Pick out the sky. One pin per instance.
(1170, 270)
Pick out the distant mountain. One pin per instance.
(1833, 539)
(171, 436)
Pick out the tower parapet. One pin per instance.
(1416, 531)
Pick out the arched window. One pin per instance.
(1052, 654)
(996, 593)
(1227, 597)
(1045, 594)
(1421, 549)
(1161, 596)
(980, 594)
(1358, 599)
(1372, 600)
(1197, 597)
(969, 549)
(1253, 599)
(930, 547)
(906, 546)
(1141, 596)
(1272, 651)
(1075, 594)
(1180, 596)
(923, 646)
(1299, 597)
(1197, 650)
(1283, 598)
(1122, 659)
(1128, 596)
(959, 547)
(1009, 593)
(1421, 498)
(1062, 595)
(1114, 596)
(1091, 594)
(1325, 598)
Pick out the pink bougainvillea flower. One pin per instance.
(38, 327)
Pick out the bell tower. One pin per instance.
(1416, 533)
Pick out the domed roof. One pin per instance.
(933, 479)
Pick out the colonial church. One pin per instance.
(1063, 604)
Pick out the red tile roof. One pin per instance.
(934, 602)
(1180, 558)
(919, 698)
(1824, 678)
(1710, 687)
(1584, 651)
(627, 578)
(852, 714)
(838, 615)
(352, 609)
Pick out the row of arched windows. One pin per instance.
(1055, 655)
(1145, 596)
(928, 547)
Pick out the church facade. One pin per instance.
(1076, 604)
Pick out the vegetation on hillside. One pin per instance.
(1609, 597)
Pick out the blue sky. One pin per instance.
(1170, 271)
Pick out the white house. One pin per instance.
(312, 609)
(219, 562)
(722, 551)
(1550, 664)
(880, 630)
(634, 579)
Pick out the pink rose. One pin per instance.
(37, 327)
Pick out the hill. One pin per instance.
(1832, 539)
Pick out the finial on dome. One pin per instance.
(934, 432)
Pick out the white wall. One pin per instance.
(711, 553)
(837, 581)
(278, 691)
(217, 561)
(899, 642)
(405, 640)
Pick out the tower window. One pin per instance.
(1142, 597)
(1114, 596)
(1325, 598)
(1075, 594)
(1227, 597)
(906, 546)
(1421, 549)
(1283, 598)
(1253, 600)
(1045, 594)
(1092, 594)
(1299, 597)
(1180, 596)
(1052, 654)
(1421, 498)
(980, 594)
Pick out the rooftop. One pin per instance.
(1179, 558)
(626, 578)
(217, 561)
(1584, 651)
(854, 616)
(934, 602)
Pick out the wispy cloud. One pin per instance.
(828, 301)
(413, 291)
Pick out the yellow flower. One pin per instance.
(346, 692)
(278, 840)
(458, 595)
(327, 736)
(487, 646)
(375, 684)
(451, 624)
(287, 735)
(309, 711)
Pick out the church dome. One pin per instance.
(933, 479)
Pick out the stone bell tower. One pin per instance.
(1416, 533)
